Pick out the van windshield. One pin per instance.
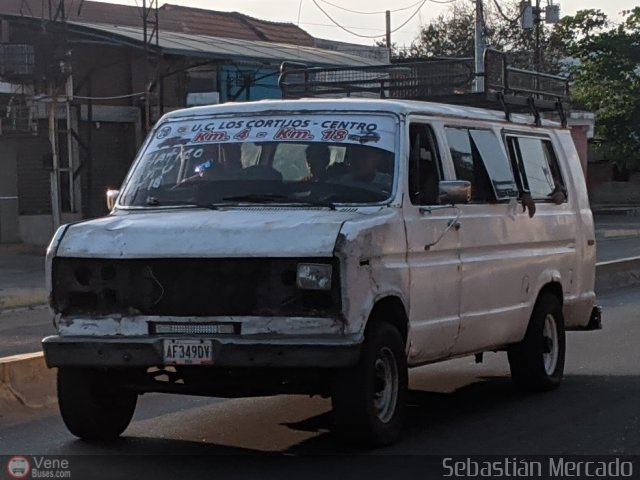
(313, 159)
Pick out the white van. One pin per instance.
(322, 246)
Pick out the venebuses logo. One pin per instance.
(18, 467)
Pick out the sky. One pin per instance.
(309, 17)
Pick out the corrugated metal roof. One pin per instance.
(229, 25)
(171, 17)
(226, 48)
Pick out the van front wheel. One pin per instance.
(369, 399)
(92, 404)
(537, 362)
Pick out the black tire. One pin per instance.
(92, 405)
(537, 362)
(367, 409)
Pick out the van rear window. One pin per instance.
(538, 165)
(478, 157)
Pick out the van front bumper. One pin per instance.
(304, 352)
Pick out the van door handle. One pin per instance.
(452, 224)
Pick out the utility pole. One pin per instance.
(531, 18)
(388, 28)
(537, 18)
(150, 33)
(55, 159)
(480, 47)
(57, 13)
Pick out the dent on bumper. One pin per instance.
(61, 351)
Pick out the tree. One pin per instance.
(602, 59)
(451, 34)
(606, 78)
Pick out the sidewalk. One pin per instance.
(22, 282)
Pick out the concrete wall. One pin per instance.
(9, 220)
(8, 192)
(599, 174)
(38, 229)
(616, 193)
(580, 138)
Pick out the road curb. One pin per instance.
(25, 381)
(23, 297)
(625, 210)
(619, 273)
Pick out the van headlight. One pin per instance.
(314, 276)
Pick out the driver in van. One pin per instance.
(318, 158)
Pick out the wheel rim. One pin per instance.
(385, 389)
(551, 345)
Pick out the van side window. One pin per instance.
(478, 158)
(425, 169)
(538, 166)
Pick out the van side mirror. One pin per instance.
(112, 196)
(451, 192)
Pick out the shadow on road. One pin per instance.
(587, 415)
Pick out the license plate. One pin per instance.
(188, 352)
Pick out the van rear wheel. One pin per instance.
(92, 404)
(369, 399)
(537, 362)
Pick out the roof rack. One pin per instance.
(441, 80)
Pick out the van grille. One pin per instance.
(189, 287)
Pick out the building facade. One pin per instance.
(80, 89)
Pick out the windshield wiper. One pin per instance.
(274, 198)
(155, 202)
(255, 197)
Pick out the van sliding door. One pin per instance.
(494, 241)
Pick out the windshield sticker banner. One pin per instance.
(375, 131)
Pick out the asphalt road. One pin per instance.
(615, 248)
(22, 330)
(617, 236)
(457, 408)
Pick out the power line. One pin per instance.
(410, 18)
(115, 97)
(409, 7)
(332, 25)
(299, 12)
(510, 20)
(422, 3)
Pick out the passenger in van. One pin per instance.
(318, 158)
(559, 193)
(528, 204)
(557, 196)
(363, 169)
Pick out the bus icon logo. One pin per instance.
(18, 467)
